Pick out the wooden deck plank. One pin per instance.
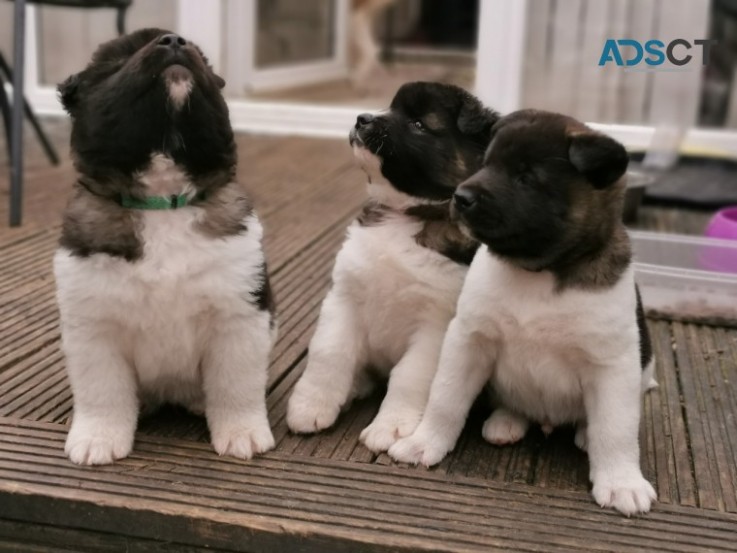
(16, 312)
(41, 538)
(409, 508)
(28, 329)
(697, 422)
(681, 478)
(722, 415)
(725, 343)
(656, 440)
(713, 463)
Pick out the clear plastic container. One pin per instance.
(687, 277)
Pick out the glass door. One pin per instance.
(273, 45)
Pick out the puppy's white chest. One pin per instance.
(182, 268)
(163, 308)
(387, 258)
(546, 341)
(395, 284)
(537, 371)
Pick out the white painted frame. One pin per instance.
(500, 51)
(200, 22)
(498, 83)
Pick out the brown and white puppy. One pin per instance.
(161, 278)
(549, 314)
(397, 277)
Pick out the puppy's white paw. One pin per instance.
(98, 443)
(628, 493)
(650, 385)
(385, 430)
(242, 439)
(504, 427)
(307, 414)
(419, 449)
(580, 439)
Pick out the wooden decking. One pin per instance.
(327, 492)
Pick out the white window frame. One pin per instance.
(498, 77)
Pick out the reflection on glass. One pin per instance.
(356, 52)
(293, 31)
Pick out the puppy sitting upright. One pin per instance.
(397, 277)
(161, 279)
(549, 312)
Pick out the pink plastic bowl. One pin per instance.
(722, 225)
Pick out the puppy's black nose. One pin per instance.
(363, 120)
(172, 41)
(464, 199)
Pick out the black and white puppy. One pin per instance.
(161, 278)
(549, 313)
(398, 275)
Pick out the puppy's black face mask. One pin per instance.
(432, 137)
(144, 93)
(549, 188)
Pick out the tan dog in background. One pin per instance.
(365, 49)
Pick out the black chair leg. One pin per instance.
(120, 20)
(16, 134)
(387, 47)
(5, 109)
(45, 142)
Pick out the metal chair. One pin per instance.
(13, 116)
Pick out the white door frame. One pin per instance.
(498, 77)
(500, 51)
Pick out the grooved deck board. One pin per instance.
(41, 538)
(279, 496)
(328, 492)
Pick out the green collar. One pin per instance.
(159, 202)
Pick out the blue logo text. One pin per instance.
(628, 52)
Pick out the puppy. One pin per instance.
(161, 278)
(398, 275)
(549, 312)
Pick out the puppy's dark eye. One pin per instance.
(418, 125)
(526, 180)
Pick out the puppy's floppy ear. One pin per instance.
(219, 81)
(602, 160)
(68, 92)
(474, 118)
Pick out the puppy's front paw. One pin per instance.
(581, 440)
(242, 439)
(98, 443)
(504, 427)
(419, 449)
(310, 413)
(385, 430)
(628, 493)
